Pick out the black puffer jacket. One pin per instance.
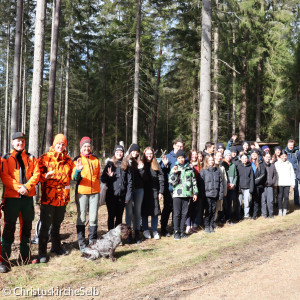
(136, 174)
(120, 184)
(260, 175)
(211, 183)
(246, 176)
(271, 177)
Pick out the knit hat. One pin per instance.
(277, 147)
(265, 148)
(245, 142)
(119, 148)
(180, 153)
(255, 151)
(220, 146)
(226, 152)
(85, 140)
(234, 149)
(60, 138)
(134, 147)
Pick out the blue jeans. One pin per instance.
(135, 205)
(296, 193)
(154, 223)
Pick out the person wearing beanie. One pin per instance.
(232, 177)
(87, 176)
(265, 148)
(19, 174)
(119, 186)
(134, 206)
(185, 189)
(220, 148)
(56, 169)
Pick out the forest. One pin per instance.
(148, 71)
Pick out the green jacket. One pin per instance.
(184, 181)
(231, 171)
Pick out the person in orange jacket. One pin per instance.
(87, 175)
(56, 170)
(20, 174)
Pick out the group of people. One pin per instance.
(201, 189)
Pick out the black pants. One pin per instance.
(283, 193)
(256, 200)
(168, 208)
(115, 208)
(210, 210)
(181, 206)
(51, 215)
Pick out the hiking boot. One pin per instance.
(59, 251)
(81, 237)
(284, 212)
(129, 240)
(156, 235)
(280, 212)
(147, 234)
(183, 235)
(177, 236)
(43, 249)
(165, 234)
(3, 267)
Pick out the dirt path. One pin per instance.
(275, 276)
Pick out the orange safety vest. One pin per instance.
(89, 182)
(55, 189)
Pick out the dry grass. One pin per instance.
(141, 266)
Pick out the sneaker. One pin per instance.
(280, 212)
(176, 236)
(207, 230)
(156, 235)
(183, 235)
(271, 217)
(284, 212)
(147, 234)
(187, 230)
(165, 234)
(211, 229)
(59, 251)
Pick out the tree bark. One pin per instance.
(117, 114)
(5, 142)
(59, 127)
(195, 104)
(136, 74)
(126, 116)
(233, 86)
(205, 75)
(16, 69)
(258, 100)
(67, 90)
(156, 101)
(37, 79)
(24, 96)
(215, 86)
(52, 75)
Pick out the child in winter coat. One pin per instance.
(212, 190)
(119, 187)
(246, 183)
(285, 180)
(182, 178)
(267, 195)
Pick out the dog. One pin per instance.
(107, 244)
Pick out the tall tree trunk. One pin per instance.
(20, 75)
(233, 86)
(215, 86)
(195, 104)
(156, 101)
(126, 116)
(37, 79)
(16, 69)
(5, 142)
(67, 90)
(87, 97)
(167, 123)
(205, 76)
(60, 93)
(258, 100)
(24, 95)
(136, 74)
(52, 75)
(117, 114)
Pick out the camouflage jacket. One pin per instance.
(184, 181)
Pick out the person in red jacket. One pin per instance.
(56, 169)
(20, 174)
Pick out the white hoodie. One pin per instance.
(285, 173)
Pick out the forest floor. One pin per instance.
(251, 259)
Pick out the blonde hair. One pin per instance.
(154, 163)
